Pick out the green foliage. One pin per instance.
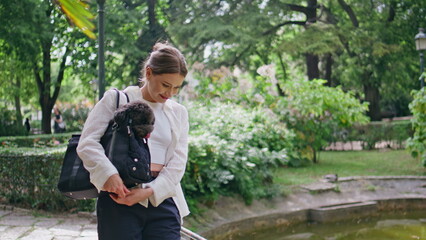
(29, 176)
(417, 144)
(9, 126)
(314, 111)
(396, 132)
(78, 13)
(233, 150)
(74, 116)
(39, 140)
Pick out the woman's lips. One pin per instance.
(163, 97)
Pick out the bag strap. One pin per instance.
(118, 97)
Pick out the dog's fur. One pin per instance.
(141, 115)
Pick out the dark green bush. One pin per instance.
(395, 133)
(41, 140)
(9, 125)
(29, 176)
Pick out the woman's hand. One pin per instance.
(136, 195)
(115, 185)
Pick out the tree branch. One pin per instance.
(350, 12)
(60, 75)
(37, 76)
(240, 55)
(275, 28)
(392, 12)
(297, 8)
(130, 5)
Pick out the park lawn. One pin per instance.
(352, 163)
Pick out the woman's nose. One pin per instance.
(169, 92)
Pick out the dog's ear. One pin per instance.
(143, 130)
(120, 115)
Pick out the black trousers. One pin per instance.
(121, 222)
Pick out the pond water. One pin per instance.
(389, 226)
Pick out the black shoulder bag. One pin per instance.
(129, 155)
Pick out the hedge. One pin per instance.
(396, 132)
(29, 176)
(40, 140)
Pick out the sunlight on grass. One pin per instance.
(353, 163)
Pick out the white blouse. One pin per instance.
(161, 138)
(167, 184)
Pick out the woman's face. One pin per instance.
(160, 87)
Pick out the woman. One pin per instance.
(153, 210)
(58, 125)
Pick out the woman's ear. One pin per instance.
(148, 73)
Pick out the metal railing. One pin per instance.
(187, 234)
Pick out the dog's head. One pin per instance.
(141, 115)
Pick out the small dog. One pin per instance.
(141, 117)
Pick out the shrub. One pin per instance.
(392, 132)
(417, 143)
(9, 125)
(233, 150)
(42, 140)
(74, 116)
(314, 111)
(29, 176)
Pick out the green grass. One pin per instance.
(352, 163)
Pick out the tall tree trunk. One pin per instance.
(44, 83)
(372, 95)
(312, 61)
(18, 103)
(284, 75)
(328, 70)
(314, 153)
(148, 38)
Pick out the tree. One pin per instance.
(15, 81)
(38, 37)
(361, 45)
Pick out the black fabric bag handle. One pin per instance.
(118, 97)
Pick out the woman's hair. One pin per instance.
(165, 58)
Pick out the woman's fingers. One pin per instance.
(114, 184)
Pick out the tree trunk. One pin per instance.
(372, 95)
(18, 103)
(312, 66)
(328, 70)
(312, 60)
(148, 38)
(44, 85)
(314, 153)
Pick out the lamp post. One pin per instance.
(101, 50)
(420, 39)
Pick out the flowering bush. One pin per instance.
(234, 150)
(316, 111)
(74, 115)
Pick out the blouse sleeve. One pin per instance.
(164, 186)
(89, 148)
